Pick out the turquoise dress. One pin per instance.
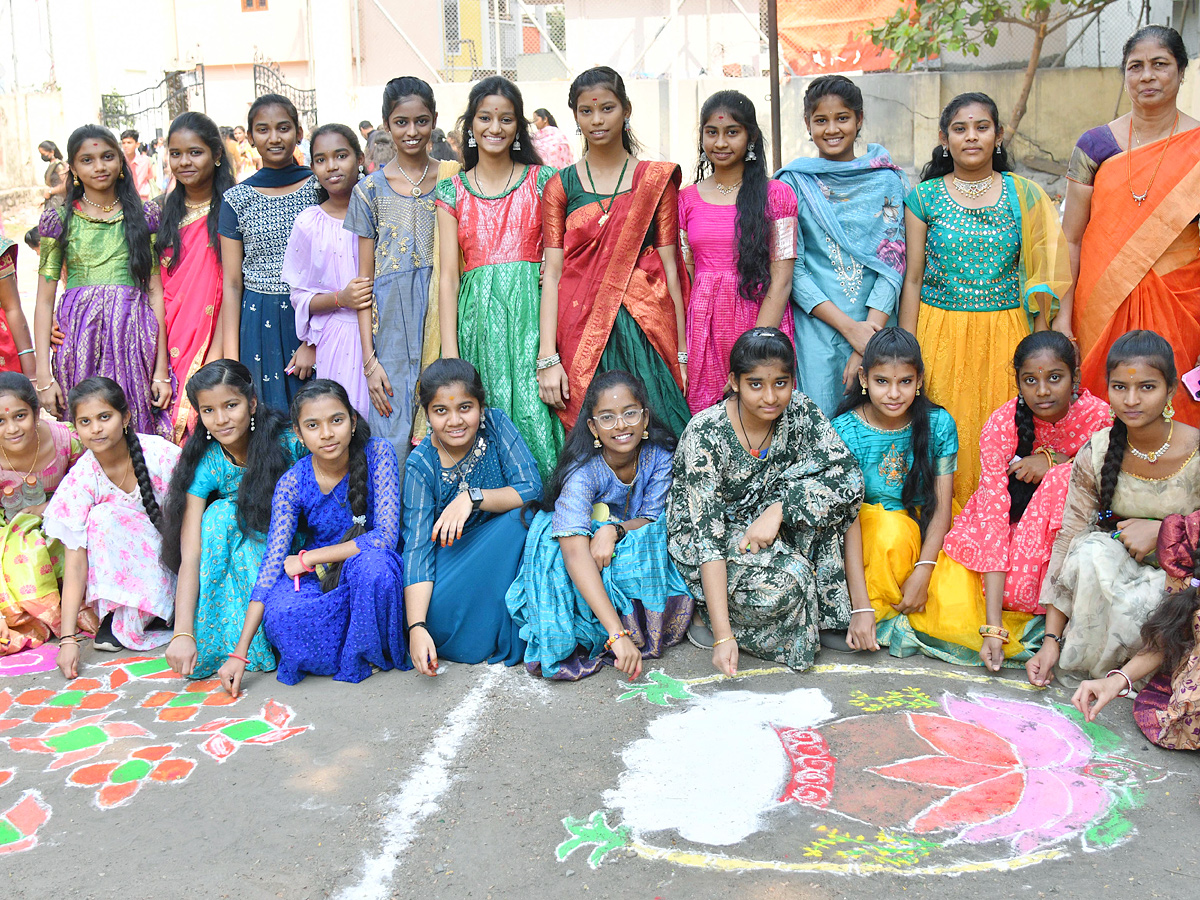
(885, 457)
(229, 562)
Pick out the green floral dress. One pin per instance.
(780, 597)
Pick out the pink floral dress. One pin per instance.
(982, 538)
(125, 577)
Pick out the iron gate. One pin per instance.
(151, 109)
(269, 80)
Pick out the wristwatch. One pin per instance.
(476, 495)
(620, 531)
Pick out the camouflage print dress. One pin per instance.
(780, 597)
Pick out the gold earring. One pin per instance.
(863, 388)
(918, 392)
(596, 443)
(76, 181)
(122, 175)
(1169, 412)
(645, 434)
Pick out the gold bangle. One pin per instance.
(721, 641)
(183, 634)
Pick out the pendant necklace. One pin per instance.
(600, 198)
(480, 190)
(973, 189)
(757, 452)
(36, 452)
(1154, 455)
(416, 185)
(1138, 198)
(116, 202)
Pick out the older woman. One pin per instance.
(1130, 218)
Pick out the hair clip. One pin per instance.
(360, 520)
(1195, 582)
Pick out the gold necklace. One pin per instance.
(116, 202)
(1138, 198)
(203, 204)
(973, 189)
(36, 452)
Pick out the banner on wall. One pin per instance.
(818, 37)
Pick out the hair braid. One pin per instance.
(1118, 440)
(356, 496)
(143, 478)
(1021, 492)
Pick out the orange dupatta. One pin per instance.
(1139, 266)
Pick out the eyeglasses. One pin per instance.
(609, 421)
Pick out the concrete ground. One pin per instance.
(458, 787)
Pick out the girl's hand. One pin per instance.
(858, 333)
(861, 633)
(160, 390)
(554, 387)
(231, 676)
(52, 400)
(293, 567)
(57, 335)
(850, 373)
(683, 376)
(603, 545)
(449, 526)
(4, 636)
(379, 386)
(423, 651)
(68, 659)
(762, 531)
(1040, 669)
(1095, 694)
(914, 593)
(357, 294)
(629, 657)
(725, 657)
(1062, 324)
(1140, 536)
(303, 361)
(181, 654)
(1030, 469)
(992, 654)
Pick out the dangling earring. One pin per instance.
(217, 164)
(121, 177)
(578, 128)
(918, 392)
(862, 387)
(645, 434)
(470, 139)
(596, 443)
(945, 153)
(1075, 392)
(999, 149)
(252, 423)
(1112, 414)
(77, 182)
(627, 123)
(751, 156)
(1169, 412)
(516, 145)
(1020, 400)
(208, 435)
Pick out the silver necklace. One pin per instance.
(972, 189)
(1154, 455)
(721, 189)
(416, 185)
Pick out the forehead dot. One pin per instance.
(1131, 371)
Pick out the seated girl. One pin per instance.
(39, 452)
(217, 515)
(596, 578)
(999, 547)
(764, 492)
(333, 608)
(1167, 709)
(107, 513)
(1104, 581)
(907, 448)
(464, 486)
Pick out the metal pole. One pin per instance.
(496, 30)
(773, 59)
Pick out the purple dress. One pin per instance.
(360, 623)
(109, 326)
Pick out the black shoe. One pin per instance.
(700, 635)
(105, 639)
(835, 640)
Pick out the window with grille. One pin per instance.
(253, 5)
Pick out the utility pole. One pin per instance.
(773, 65)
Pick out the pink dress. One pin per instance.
(125, 577)
(553, 147)
(982, 538)
(716, 314)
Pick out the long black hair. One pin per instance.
(1021, 492)
(753, 227)
(446, 371)
(756, 347)
(51, 148)
(22, 388)
(110, 392)
(580, 445)
(133, 211)
(498, 85)
(1166, 37)
(544, 113)
(942, 162)
(1157, 353)
(266, 458)
(174, 208)
(1169, 629)
(356, 484)
(898, 347)
(407, 86)
(351, 140)
(609, 79)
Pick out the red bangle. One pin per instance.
(307, 567)
(239, 658)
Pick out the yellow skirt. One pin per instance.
(968, 370)
(948, 627)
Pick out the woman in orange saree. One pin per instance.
(190, 263)
(1131, 219)
(612, 294)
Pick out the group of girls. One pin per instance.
(933, 501)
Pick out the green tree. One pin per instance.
(925, 28)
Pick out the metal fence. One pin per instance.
(150, 110)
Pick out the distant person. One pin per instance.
(439, 147)
(552, 145)
(366, 129)
(139, 163)
(250, 161)
(56, 176)
(454, 139)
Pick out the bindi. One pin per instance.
(1131, 372)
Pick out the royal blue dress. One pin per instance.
(467, 617)
(360, 623)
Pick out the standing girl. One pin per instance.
(907, 448)
(737, 228)
(111, 313)
(612, 296)
(764, 491)
(335, 607)
(217, 515)
(36, 451)
(1104, 580)
(107, 513)
(987, 264)
(258, 324)
(321, 266)
(16, 344)
(463, 491)
(988, 580)
(57, 174)
(392, 212)
(189, 251)
(492, 214)
(596, 577)
(850, 256)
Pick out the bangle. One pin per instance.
(336, 300)
(865, 609)
(239, 658)
(681, 356)
(548, 362)
(307, 567)
(1049, 454)
(420, 624)
(183, 634)
(26, 352)
(722, 640)
(994, 631)
(37, 387)
(616, 636)
(1054, 637)
(1126, 692)
(925, 562)
(69, 639)
(160, 380)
